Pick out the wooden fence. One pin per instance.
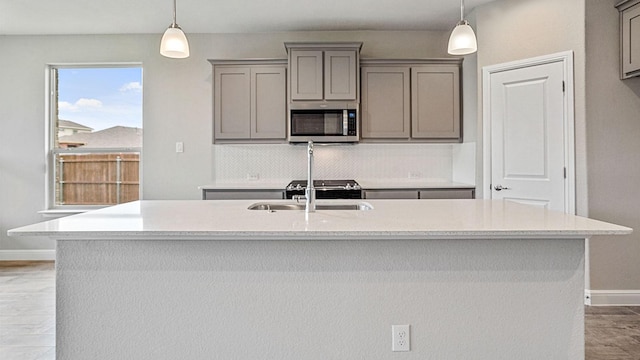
(97, 179)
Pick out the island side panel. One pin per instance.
(464, 299)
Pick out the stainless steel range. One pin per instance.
(326, 189)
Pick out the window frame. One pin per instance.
(51, 104)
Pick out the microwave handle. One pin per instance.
(345, 122)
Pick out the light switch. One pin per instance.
(179, 147)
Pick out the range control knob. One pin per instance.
(298, 187)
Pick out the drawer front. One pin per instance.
(242, 195)
(448, 194)
(390, 194)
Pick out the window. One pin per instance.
(95, 139)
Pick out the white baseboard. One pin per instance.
(612, 297)
(32, 255)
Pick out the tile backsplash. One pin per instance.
(283, 162)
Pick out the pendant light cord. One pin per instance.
(461, 10)
(174, 14)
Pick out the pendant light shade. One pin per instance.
(462, 40)
(174, 43)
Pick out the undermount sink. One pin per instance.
(280, 206)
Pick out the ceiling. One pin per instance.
(34, 17)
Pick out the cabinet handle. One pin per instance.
(500, 188)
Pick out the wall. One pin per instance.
(464, 155)
(606, 119)
(177, 106)
(22, 116)
(509, 30)
(613, 150)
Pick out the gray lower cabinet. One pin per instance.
(462, 193)
(390, 194)
(411, 100)
(629, 35)
(208, 194)
(271, 194)
(249, 100)
(448, 194)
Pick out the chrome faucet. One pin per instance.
(310, 191)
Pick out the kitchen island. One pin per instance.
(474, 279)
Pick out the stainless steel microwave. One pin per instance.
(324, 122)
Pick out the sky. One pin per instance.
(101, 98)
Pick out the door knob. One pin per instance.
(500, 188)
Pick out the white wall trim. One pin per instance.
(566, 57)
(32, 255)
(612, 297)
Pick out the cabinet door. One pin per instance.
(435, 102)
(630, 27)
(386, 111)
(268, 102)
(232, 102)
(306, 75)
(340, 75)
(390, 194)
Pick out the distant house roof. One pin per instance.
(114, 137)
(67, 124)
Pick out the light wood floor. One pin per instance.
(27, 318)
(612, 332)
(27, 310)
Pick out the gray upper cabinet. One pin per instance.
(411, 100)
(306, 75)
(629, 38)
(268, 102)
(249, 100)
(340, 75)
(435, 99)
(323, 71)
(386, 110)
(232, 102)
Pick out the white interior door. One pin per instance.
(527, 131)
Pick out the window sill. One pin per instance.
(58, 213)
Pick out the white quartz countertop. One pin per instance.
(365, 184)
(389, 219)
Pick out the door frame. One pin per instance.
(566, 58)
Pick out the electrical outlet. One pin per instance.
(414, 175)
(253, 176)
(401, 338)
(179, 147)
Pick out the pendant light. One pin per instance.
(462, 40)
(174, 43)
